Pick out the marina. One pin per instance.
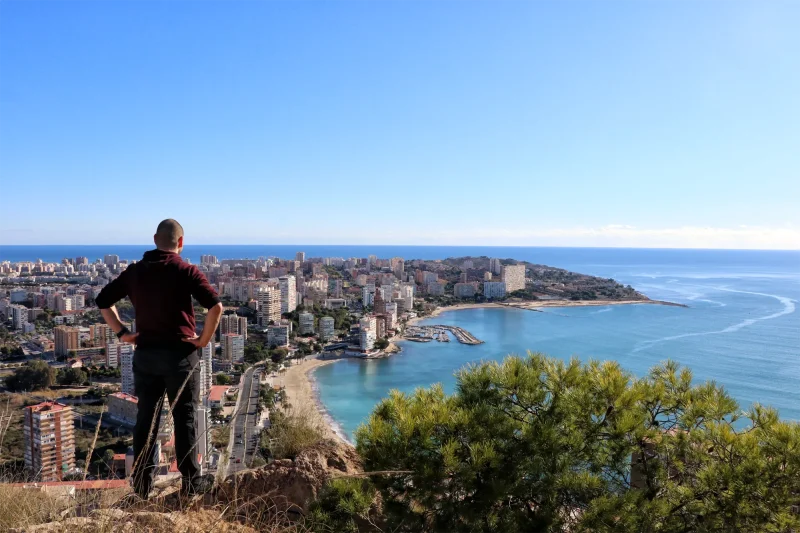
(440, 333)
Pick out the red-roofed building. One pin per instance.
(123, 407)
(48, 435)
(217, 394)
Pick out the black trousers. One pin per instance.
(157, 371)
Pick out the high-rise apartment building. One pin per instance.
(66, 339)
(232, 324)
(18, 295)
(243, 326)
(48, 434)
(326, 328)
(494, 289)
(62, 303)
(288, 293)
(495, 266)
(368, 296)
(514, 277)
(111, 260)
(18, 315)
(398, 267)
(126, 369)
(306, 324)
(206, 355)
(367, 339)
(233, 347)
(81, 260)
(464, 290)
(269, 305)
(407, 294)
(114, 353)
(278, 334)
(202, 418)
(300, 256)
(208, 260)
(378, 302)
(102, 334)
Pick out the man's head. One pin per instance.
(169, 236)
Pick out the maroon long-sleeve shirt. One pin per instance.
(161, 287)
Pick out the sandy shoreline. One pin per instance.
(537, 304)
(300, 393)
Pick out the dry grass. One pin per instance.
(33, 511)
(22, 508)
(294, 430)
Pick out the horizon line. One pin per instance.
(437, 246)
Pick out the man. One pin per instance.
(161, 287)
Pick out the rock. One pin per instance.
(291, 486)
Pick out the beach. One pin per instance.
(300, 392)
(537, 304)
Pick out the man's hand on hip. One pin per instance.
(129, 337)
(194, 341)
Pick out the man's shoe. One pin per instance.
(199, 485)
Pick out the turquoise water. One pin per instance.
(742, 330)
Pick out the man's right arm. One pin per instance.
(110, 295)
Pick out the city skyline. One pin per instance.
(614, 124)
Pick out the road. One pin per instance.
(243, 427)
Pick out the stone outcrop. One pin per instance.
(291, 485)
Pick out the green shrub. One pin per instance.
(343, 505)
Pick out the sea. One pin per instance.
(741, 328)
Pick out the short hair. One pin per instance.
(168, 233)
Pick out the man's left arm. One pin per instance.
(204, 293)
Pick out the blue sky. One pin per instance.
(573, 123)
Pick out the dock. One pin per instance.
(438, 332)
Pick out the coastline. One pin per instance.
(301, 387)
(301, 391)
(534, 305)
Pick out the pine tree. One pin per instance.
(539, 444)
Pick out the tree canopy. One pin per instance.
(35, 375)
(71, 376)
(540, 444)
(222, 379)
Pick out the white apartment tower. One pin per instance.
(205, 355)
(494, 289)
(288, 293)
(233, 347)
(269, 305)
(326, 328)
(19, 315)
(368, 295)
(114, 353)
